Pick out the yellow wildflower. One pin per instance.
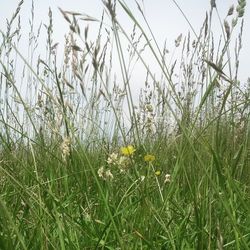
(128, 151)
(149, 158)
(157, 172)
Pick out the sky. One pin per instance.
(163, 16)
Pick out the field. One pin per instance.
(85, 163)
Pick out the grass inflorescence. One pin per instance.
(87, 164)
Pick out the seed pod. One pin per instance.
(227, 29)
(230, 11)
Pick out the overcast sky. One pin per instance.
(164, 17)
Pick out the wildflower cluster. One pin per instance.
(121, 161)
(150, 158)
(117, 161)
(105, 174)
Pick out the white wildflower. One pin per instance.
(142, 177)
(105, 174)
(123, 163)
(167, 178)
(100, 172)
(109, 175)
(112, 159)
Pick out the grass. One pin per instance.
(84, 164)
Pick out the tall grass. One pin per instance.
(86, 164)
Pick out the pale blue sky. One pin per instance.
(164, 18)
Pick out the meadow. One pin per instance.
(87, 164)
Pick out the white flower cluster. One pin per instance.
(105, 174)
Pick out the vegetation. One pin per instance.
(87, 164)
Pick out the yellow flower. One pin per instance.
(157, 172)
(149, 158)
(127, 151)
